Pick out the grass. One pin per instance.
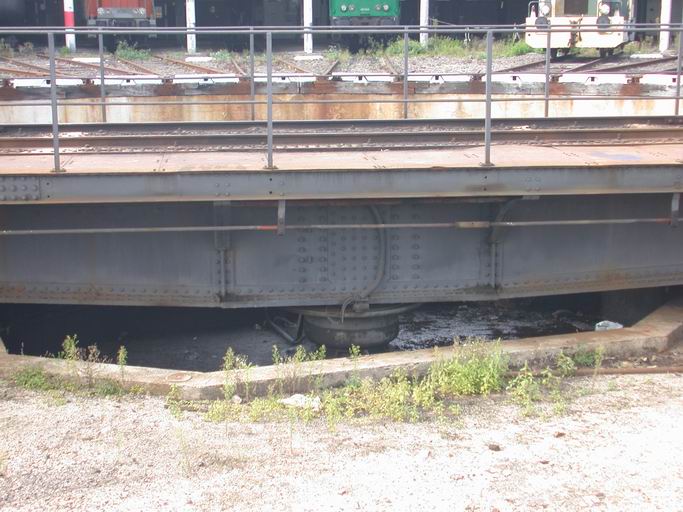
(221, 56)
(6, 49)
(443, 46)
(82, 363)
(479, 369)
(127, 51)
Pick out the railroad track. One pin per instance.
(336, 135)
(605, 65)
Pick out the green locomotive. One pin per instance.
(345, 13)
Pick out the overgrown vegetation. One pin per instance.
(444, 46)
(221, 56)
(82, 364)
(6, 49)
(126, 51)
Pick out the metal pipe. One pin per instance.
(546, 90)
(274, 227)
(678, 73)
(103, 105)
(252, 73)
(489, 84)
(53, 102)
(406, 71)
(269, 91)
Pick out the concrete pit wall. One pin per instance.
(375, 101)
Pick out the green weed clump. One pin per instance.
(221, 55)
(33, 378)
(127, 51)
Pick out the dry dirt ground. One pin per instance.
(618, 447)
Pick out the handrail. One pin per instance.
(403, 32)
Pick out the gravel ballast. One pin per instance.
(615, 449)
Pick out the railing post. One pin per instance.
(252, 72)
(546, 90)
(489, 83)
(269, 91)
(53, 101)
(103, 106)
(678, 71)
(406, 48)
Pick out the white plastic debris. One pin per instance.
(302, 401)
(607, 325)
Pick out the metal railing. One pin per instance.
(404, 32)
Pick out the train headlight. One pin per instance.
(605, 9)
(343, 8)
(378, 7)
(352, 7)
(100, 11)
(142, 12)
(545, 9)
(386, 7)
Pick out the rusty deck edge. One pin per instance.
(655, 333)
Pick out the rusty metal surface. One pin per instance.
(508, 156)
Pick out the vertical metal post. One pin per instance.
(103, 107)
(252, 72)
(678, 71)
(546, 90)
(269, 91)
(406, 48)
(53, 101)
(489, 82)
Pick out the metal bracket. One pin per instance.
(675, 208)
(281, 205)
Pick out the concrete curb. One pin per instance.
(655, 333)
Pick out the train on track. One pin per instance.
(589, 25)
(12, 12)
(120, 13)
(345, 13)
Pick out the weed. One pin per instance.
(337, 54)
(185, 454)
(221, 56)
(108, 388)
(64, 51)
(126, 51)
(33, 378)
(525, 390)
(478, 369)
(26, 49)
(6, 49)
(589, 358)
(509, 48)
(122, 361)
(173, 402)
(289, 372)
(565, 365)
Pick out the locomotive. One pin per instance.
(13, 12)
(364, 12)
(120, 13)
(575, 14)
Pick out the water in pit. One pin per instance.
(197, 339)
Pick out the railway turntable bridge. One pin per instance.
(348, 222)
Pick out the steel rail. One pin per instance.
(339, 140)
